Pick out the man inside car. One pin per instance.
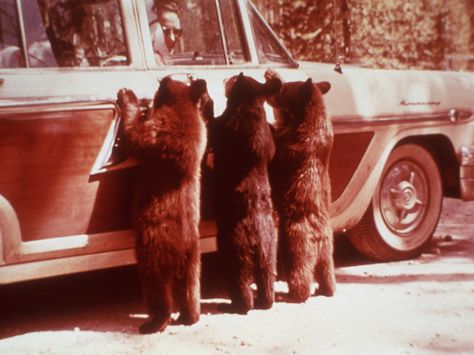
(165, 30)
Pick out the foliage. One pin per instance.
(397, 34)
(300, 23)
(375, 33)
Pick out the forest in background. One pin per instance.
(394, 34)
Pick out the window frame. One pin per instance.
(241, 32)
(220, 21)
(22, 33)
(288, 59)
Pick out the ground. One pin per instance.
(422, 306)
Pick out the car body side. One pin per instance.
(65, 208)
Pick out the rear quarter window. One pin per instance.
(61, 33)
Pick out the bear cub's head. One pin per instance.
(295, 98)
(172, 92)
(241, 89)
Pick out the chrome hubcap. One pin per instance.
(404, 197)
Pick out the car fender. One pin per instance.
(348, 209)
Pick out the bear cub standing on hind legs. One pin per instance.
(301, 187)
(169, 139)
(243, 147)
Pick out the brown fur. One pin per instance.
(169, 139)
(301, 188)
(246, 239)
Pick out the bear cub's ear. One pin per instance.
(197, 89)
(272, 86)
(163, 93)
(306, 91)
(323, 86)
(308, 88)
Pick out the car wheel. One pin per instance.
(405, 208)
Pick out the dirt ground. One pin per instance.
(422, 306)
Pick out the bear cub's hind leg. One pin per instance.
(159, 299)
(265, 279)
(324, 273)
(189, 293)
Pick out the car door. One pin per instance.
(61, 64)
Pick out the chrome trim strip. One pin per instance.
(43, 100)
(54, 104)
(382, 120)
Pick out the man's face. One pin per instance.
(171, 26)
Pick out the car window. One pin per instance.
(40, 53)
(233, 33)
(64, 33)
(269, 49)
(10, 39)
(185, 32)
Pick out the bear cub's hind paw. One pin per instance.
(187, 319)
(327, 291)
(233, 308)
(155, 325)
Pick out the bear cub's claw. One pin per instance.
(232, 308)
(328, 292)
(155, 325)
(187, 319)
(261, 303)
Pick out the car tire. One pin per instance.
(405, 208)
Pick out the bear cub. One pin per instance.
(243, 146)
(301, 187)
(169, 139)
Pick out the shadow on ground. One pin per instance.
(110, 300)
